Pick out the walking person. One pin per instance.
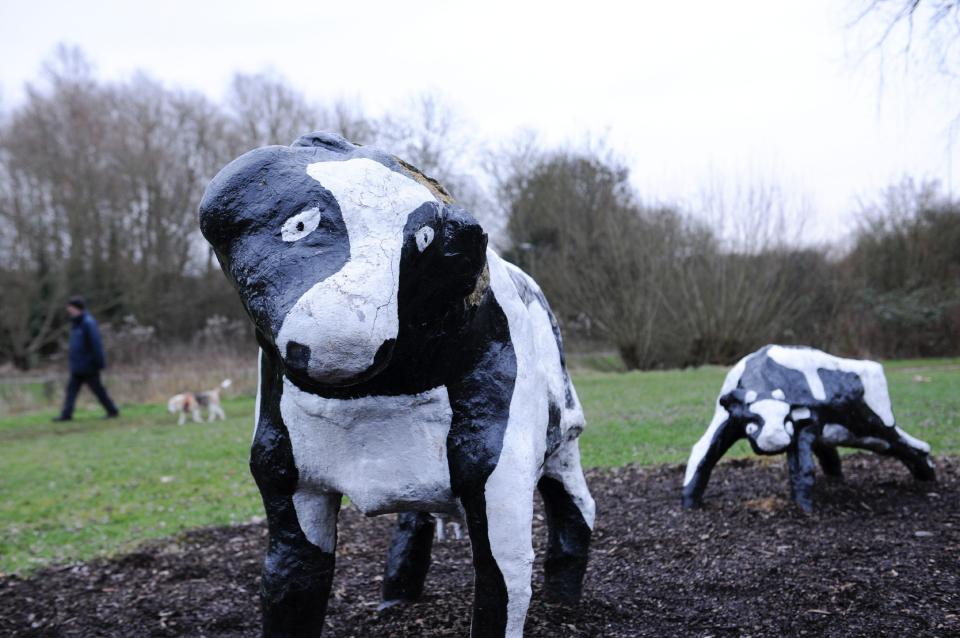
(86, 360)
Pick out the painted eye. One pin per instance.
(301, 224)
(424, 236)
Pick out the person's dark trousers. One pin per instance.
(92, 380)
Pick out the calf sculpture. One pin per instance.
(402, 364)
(804, 402)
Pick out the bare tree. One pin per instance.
(267, 110)
(430, 134)
(896, 24)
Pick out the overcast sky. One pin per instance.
(687, 92)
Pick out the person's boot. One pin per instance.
(58, 419)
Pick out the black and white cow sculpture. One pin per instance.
(804, 402)
(404, 365)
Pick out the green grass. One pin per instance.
(90, 487)
(77, 489)
(654, 417)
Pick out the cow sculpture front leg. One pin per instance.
(719, 437)
(801, 467)
(298, 566)
(500, 519)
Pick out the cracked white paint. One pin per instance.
(386, 453)
(345, 318)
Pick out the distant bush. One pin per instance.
(668, 287)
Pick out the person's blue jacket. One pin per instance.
(86, 348)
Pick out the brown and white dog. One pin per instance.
(192, 402)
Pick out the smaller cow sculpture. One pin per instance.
(804, 402)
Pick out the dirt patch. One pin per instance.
(881, 557)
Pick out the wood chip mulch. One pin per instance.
(880, 557)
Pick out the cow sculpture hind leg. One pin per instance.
(913, 453)
(570, 515)
(408, 559)
(829, 460)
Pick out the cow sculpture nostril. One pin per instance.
(298, 356)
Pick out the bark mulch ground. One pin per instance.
(881, 557)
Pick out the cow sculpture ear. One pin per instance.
(325, 139)
(732, 399)
(465, 246)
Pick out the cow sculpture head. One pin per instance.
(334, 247)
(768, 419)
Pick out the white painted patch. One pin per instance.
(386, 453)
(788, 428)
(317, 515)
(720, 414)
(300, 225)
(800, 414)
(752, 428)
(345, 318)
(773, 434)
(750, 397)
(809, 361)
(778, 394)
(509, 490)
(424, 236)
(913, 442)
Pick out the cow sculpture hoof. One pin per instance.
(806, 403)
(402, 364)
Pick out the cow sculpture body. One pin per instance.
(804, 402)
(404, 365)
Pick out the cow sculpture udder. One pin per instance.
(404, 365)
(804, 402)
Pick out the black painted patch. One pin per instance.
(241, 214)
(554, 435)
(568, 545)
(489, 590)
(408, 559)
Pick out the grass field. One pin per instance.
(75, 490)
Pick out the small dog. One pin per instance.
(192, 402)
